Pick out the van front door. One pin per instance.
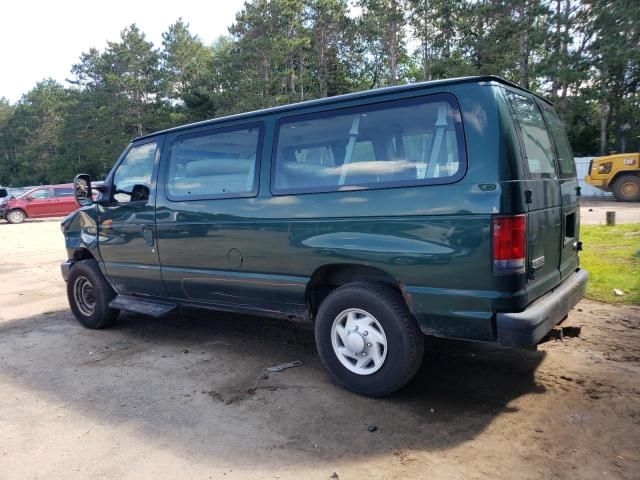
(126, 223)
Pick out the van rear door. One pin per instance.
(542, 193)
(569, 191)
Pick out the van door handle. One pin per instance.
(528, 196)
(147, 234)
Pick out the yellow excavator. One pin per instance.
(618, 174)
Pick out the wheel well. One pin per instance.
(82, 254)
(329, 277)
(622, 173)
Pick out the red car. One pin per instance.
(45, 201)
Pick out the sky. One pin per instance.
(42, 39)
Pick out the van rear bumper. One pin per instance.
(528, 327)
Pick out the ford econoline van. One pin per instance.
(446, 208)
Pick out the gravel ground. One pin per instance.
(188, 396)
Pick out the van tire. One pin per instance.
(404, 340)
(627, 188)
(15, 216)
(89, 295)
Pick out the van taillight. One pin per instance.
(509, 244)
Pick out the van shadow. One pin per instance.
(190, 378)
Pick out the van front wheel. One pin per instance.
(89, 295)
(627, 188)
(367, 339)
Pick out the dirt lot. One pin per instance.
(593, 211)
(188, 397)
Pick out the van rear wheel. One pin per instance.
(627, 188)
(367, 339)
(89, 295)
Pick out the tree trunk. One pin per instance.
(563, 83)
(392, 34)
(523, 49)
(300, 77)
(393, 54)
(292, 77)
(265, 73)
(322, 61)
(604, 110)
(427, 61)
(556, 51)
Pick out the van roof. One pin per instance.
(348, 96)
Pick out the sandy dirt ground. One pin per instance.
(594, 211)
(188, 396)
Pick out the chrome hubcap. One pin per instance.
(84, 296)
(359, 341)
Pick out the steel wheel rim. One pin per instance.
(84, 296)
(629, 189)
(359, 341)
(16, 216)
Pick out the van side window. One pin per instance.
(563, 147)
(537, 144)
(135, 170)
(400, 143)
(215, 164)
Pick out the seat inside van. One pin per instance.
(372, 148)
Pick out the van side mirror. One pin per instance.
(140, 193)
(82, 190)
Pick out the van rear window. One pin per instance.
(537, 144)
(400, 143)
(563, 147)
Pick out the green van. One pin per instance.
(446, 208)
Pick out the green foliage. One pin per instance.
(31, 134)
(612, 257)
(584, 55)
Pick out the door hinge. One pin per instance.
(578, 191)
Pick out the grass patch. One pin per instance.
(611, 255)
